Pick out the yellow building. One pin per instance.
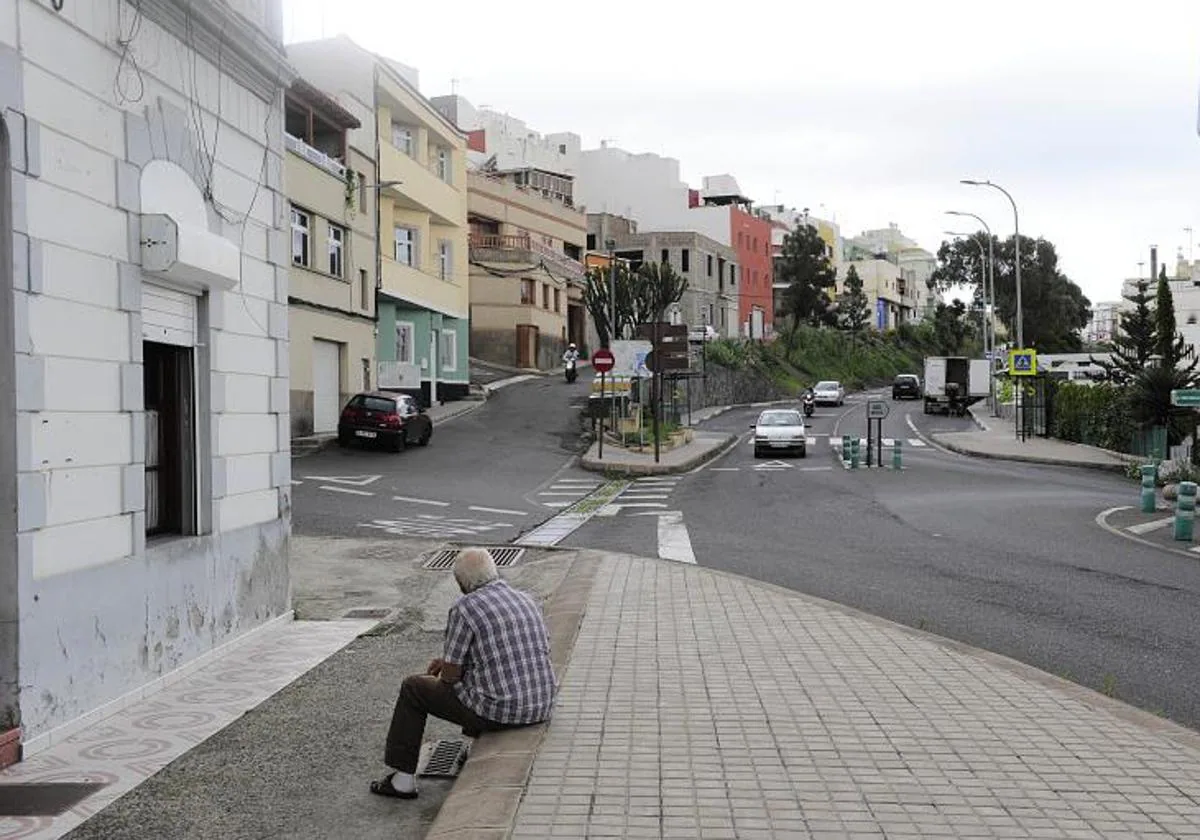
(331, 293)
(526, 250)
(420, 179)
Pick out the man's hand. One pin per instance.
(435, 668)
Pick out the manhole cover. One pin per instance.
(44, 800)
(445, 558)
(446, 759)
(367, 612)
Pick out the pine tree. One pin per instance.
(853, 304)
(1136, 340)
(1171, 345)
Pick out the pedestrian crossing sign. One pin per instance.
(1022, 362)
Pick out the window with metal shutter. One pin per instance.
(168, 316)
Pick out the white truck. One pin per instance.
(969, 381)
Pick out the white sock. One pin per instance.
(403, 782)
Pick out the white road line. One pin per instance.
(355, 480)
(645, 496)
(410, 499)
(724, 469)
(1147, 527)
(498, 510)
(571, 493)
(1195, 549)
(816, 469)
(590, 482)
(295, 482)
(673, 540)
(347, 490)
(556, 504)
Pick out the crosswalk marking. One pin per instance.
(915, 443)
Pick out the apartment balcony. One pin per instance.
(523, 249)
(421, 188)
(414, 286)
(315, 156)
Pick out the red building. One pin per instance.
(750, 237)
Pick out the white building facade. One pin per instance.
(149, 472)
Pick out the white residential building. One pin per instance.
(1104, 322)
(145, 475)
(507, 143)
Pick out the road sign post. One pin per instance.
(1022, 362)
(877, 412)
(1186, 398)
(602, 362)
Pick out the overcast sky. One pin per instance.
(867, 111)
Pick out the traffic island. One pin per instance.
(1158, 528)
(700, 449)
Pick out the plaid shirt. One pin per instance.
(497, 635)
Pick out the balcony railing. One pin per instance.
(524, 247)
(315, 156)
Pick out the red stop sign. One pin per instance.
(603, 361)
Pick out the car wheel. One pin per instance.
(803, 452)
(757, 453)
(343, 439)
(423, 440)
(398, 443)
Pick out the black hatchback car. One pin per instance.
(393, 420)
(906, 386)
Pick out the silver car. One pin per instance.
(780, 430)
(829, 392)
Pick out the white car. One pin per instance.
(829, 392)
(700, 335)
(780, 430)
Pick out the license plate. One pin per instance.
(782, 444)
(363, 434)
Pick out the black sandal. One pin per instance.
(384, 787)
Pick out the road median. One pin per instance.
(703, 447)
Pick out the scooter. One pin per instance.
(569, 370)
(809, 404)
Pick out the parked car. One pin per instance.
(393, 420)
(906, 386)
(780, 430)
(829, 392)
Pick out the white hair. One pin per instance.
(474, 568)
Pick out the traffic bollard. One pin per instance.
(1149, 474)
(1185, 511)
(854, 454)
(896, 454)
(846, 448)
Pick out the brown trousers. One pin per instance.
(421, 696)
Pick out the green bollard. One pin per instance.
(846, 448)
(854, 454)
(1185, 511)
(896, 454)
(1149, 474)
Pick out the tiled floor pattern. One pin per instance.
(698, 705)
(127, 748)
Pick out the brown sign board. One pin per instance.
(671, 350)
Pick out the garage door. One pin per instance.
(326, 385)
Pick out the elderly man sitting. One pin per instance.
(494, 672)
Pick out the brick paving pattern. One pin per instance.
(700, 705)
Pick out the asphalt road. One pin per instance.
(1003, 556)
(999, 555)
(486, 476)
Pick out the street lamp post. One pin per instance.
(990, 296)
(1017, 245)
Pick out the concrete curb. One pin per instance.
(1102, 521)
(1118, 469)
(483, 802)
(596, 465)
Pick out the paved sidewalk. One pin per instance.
(997, 438)
(704, 447)
(702, 705)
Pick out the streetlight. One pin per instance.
(989, 294)
(1017, 243)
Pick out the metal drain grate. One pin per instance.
(367, 612)
(444, 559)
(446, 759)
